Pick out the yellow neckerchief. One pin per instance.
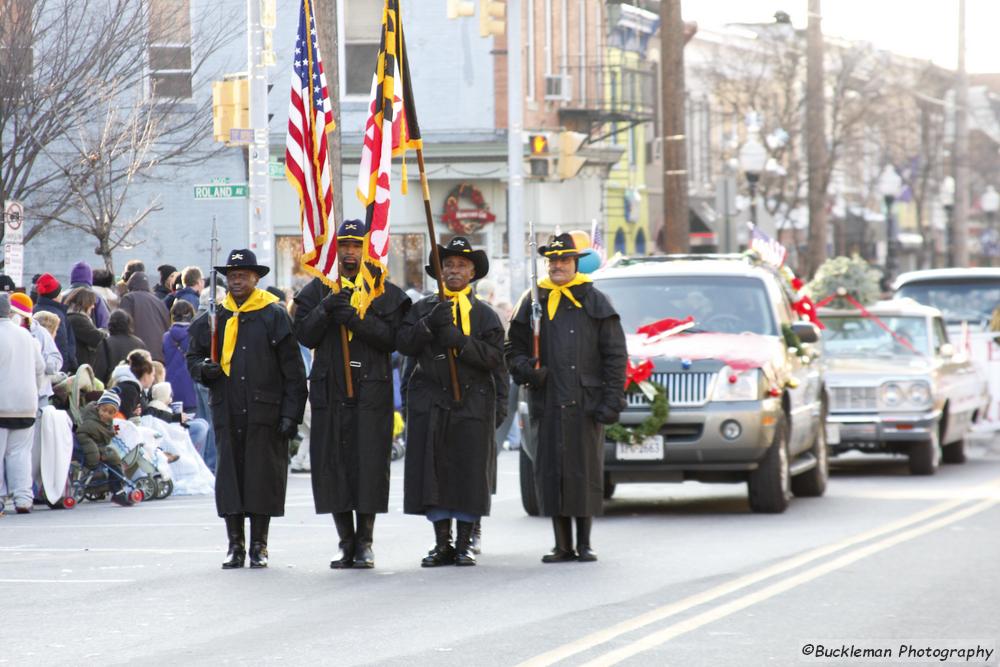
(257, 300)
(355, 287)
(557, 291)
(460, 304)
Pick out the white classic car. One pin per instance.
(896, 384)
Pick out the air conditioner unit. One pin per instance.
(558, 87)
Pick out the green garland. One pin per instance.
(659, 412)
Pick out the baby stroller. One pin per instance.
(153, 484)
(95, 485)
(398, 433)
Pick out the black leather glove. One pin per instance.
(537, 376)
(287, 428)
(450, 336)
(343, 313)
(330, 301)
(440, 316)
(605, 415)
(210, 370)
(521, 372)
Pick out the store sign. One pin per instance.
(465, 210)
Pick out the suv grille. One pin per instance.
(684, 390)
(853, 399)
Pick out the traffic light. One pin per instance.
(539, 145)
(491, 17)
(570, 163)
(230, 106)
(459, 8)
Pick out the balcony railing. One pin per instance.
(609, 92)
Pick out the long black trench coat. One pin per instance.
(450, 448)
(584, 352)
(267, 381)
(350, 442)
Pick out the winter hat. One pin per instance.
(81, 273)
(110, 398)
(162, 392)
(7, 284)
(21, 304)
(165, 271)
(48, 285)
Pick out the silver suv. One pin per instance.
(747, 401)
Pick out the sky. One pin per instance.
(920, 28)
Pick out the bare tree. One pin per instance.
(69, 70)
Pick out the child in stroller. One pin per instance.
(94, 435)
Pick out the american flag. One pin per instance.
(770, 251)
(307, 166)
(391, 129)
(597, 239)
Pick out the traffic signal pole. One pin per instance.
(515, 152)
(261, 231)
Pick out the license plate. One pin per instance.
(833, 434)
(650, 449)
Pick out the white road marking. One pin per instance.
(67, 581)
(602, 636)
(666, 634)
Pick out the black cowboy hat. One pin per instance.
(243, 259)
(460, 247)
(351, 230)
(560, 245)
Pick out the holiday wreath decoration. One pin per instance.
(466, 220)
(637, 381)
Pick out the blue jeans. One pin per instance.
(204, 411)
(439, 514)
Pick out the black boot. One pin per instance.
(562, 526)
(477, 537)
(258, 540)
(364, 557)
(345, 530)
(443, 552)
(584, 553)
(463, 544)
(237, 542)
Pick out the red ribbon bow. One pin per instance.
(637, 374)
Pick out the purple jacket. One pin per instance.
(175, 345)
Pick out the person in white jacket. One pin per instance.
(21, 304)
(23, 371)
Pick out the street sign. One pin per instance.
(13, 218)
(221, 191)
(240, 135)
(13, 262)
(276, 169)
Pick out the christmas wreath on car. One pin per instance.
(637, 381)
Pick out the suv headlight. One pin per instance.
(732, 385)
(898, 395)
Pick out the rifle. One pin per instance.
(536, 306)
(213, 317)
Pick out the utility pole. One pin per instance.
(960, 155)
(258, 59)
(675, 176)
(816, 138)
(515, 152)
(329, 39)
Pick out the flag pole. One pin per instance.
(345, 345)
(456, 390)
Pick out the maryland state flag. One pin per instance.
(390, 131)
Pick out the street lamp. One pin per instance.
(889, 184)
(947, 195)
(990, 202)
(753, 158)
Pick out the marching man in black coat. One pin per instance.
(450, 450)
(577, 388)
(258, 396)
(350, 444)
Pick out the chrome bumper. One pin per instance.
(890, 427)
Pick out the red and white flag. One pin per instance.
(391, 129)
(307, 165)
